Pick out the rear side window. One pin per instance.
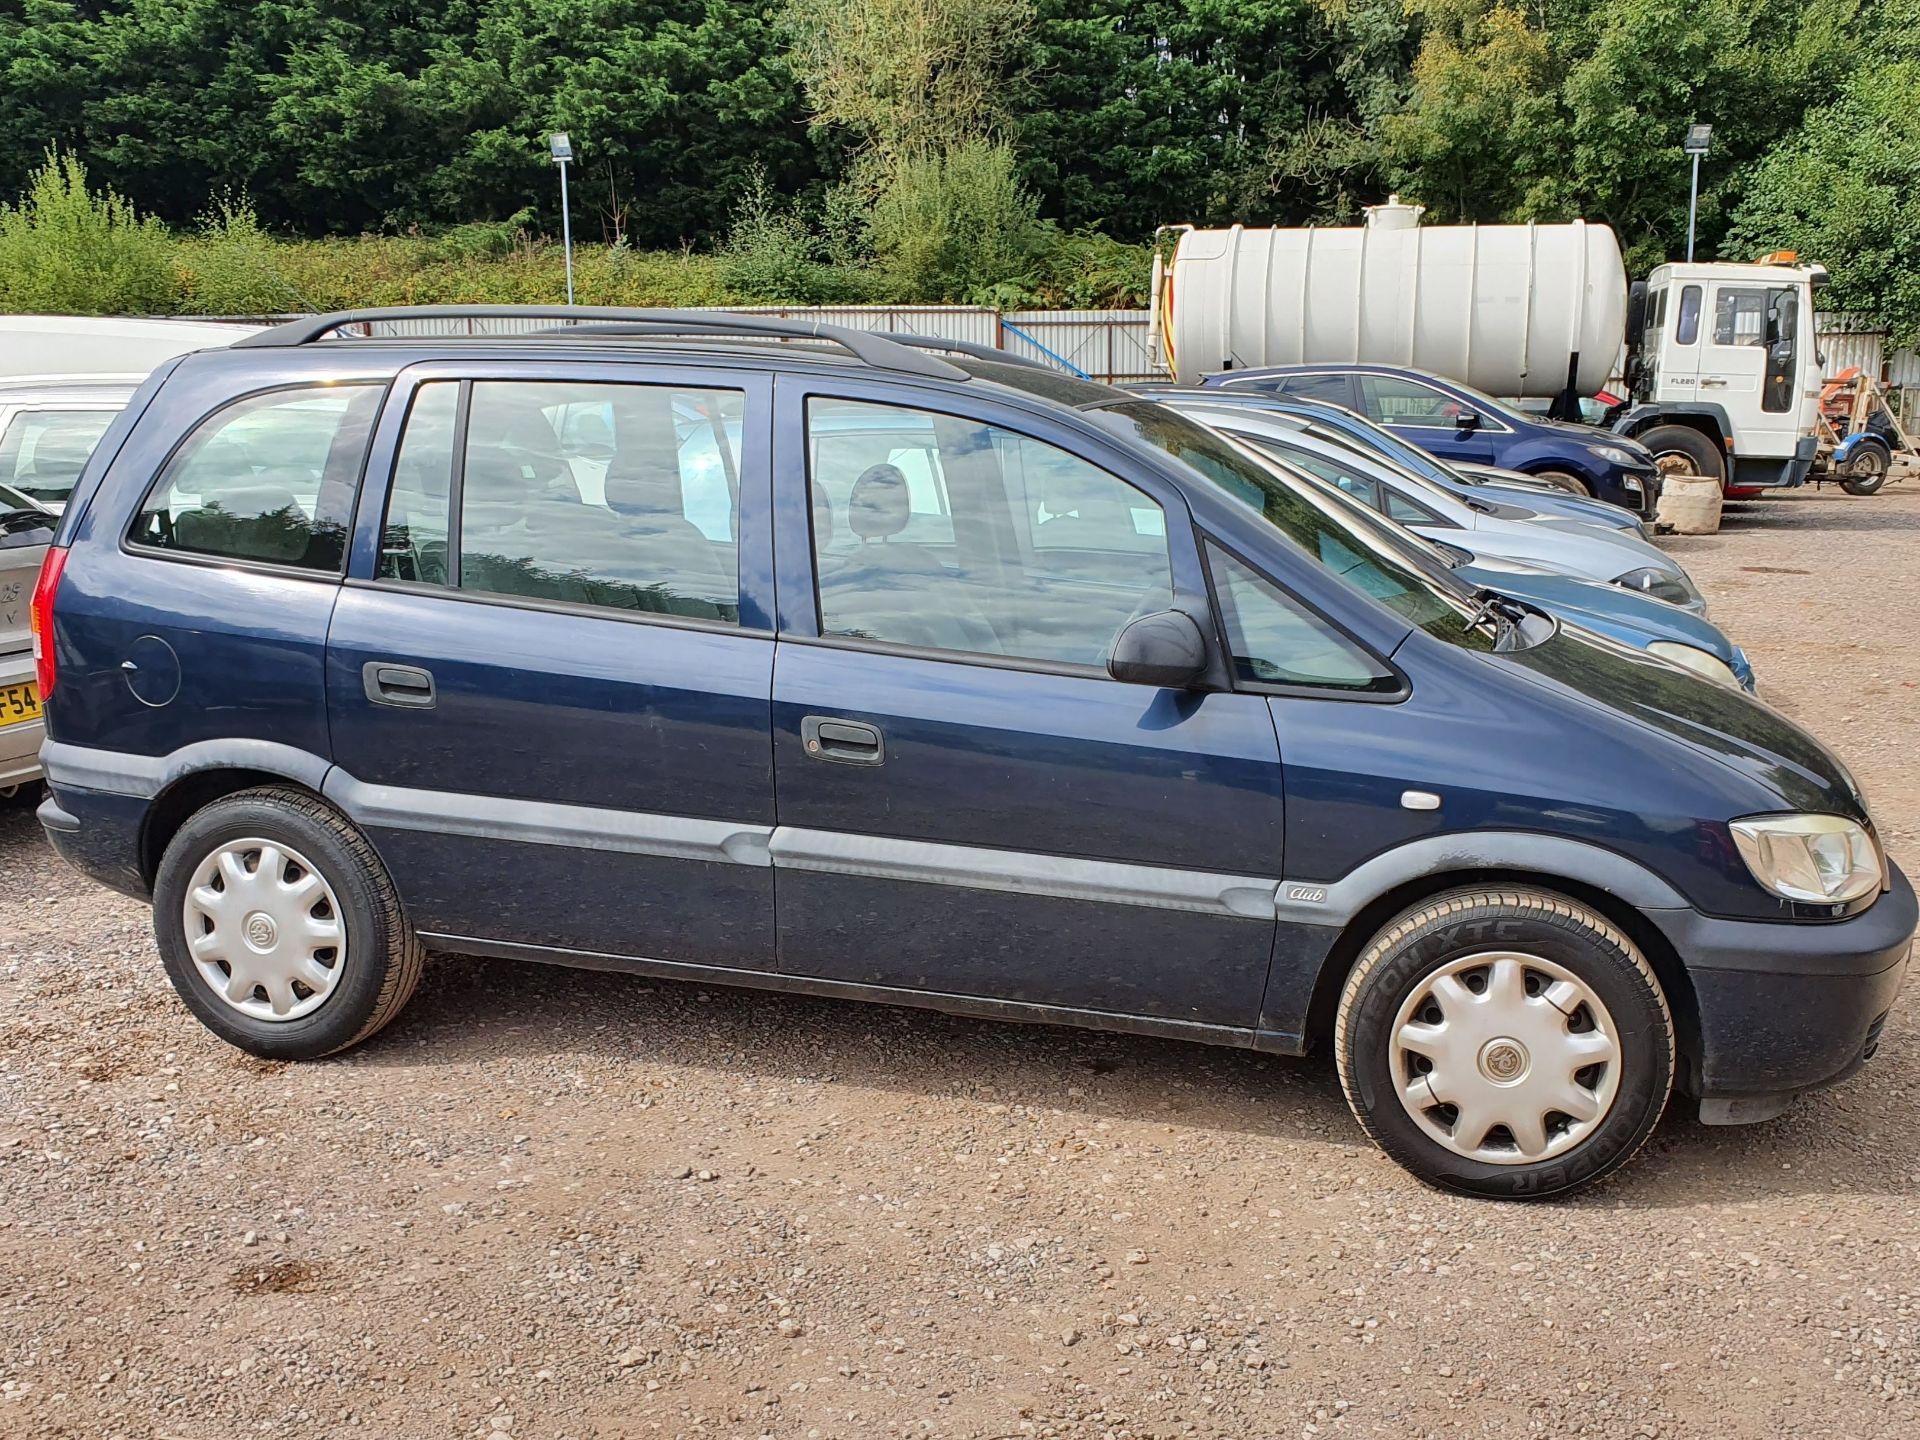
(270, 479)
(1686, 329)
(615, 496)
(43, 451)
(1330, 389)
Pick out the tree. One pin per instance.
(1842, 190)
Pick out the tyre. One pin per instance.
(1867, 469)
(1681, 450)
(1505, 1042)
(1565, 480)
(280, 928)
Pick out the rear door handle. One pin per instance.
(404, 685)
(847, 741)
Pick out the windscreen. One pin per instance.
(1363, 557)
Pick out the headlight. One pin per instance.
(1821, 859)
(1611, 454)
(1671, 586)
(1697, 660)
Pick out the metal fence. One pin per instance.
(1109, 345)
(1849, 341)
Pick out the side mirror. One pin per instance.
(1467, 420)
(1165, 649)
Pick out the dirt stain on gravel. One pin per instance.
(282, 1277)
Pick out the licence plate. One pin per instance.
(18, 704)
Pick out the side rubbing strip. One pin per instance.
(536, 822)
(1020, 872)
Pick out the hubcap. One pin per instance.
(265, 930)
(1673, 462)
(1505, 1058)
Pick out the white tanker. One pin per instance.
(1721, 357)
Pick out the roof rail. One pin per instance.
(964, 347)
(865, 345)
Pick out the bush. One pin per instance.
(955, 225)
(65, 250)
(230, 266)
(773, 256)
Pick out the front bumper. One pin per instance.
(1787, 1007)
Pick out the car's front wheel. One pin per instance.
(1506, 1042)
(280, 928)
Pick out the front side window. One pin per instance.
(616, 496)
(1739, 315)
(1277, 641)
(932, 531)
(270, 478)
(1392, 401)
(43, 451)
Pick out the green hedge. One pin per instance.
(66, 249)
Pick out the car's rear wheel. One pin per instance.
(1506, 1042)
(280, 928)
(1682, 450)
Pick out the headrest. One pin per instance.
(63, 450)
(642, 481)
(494, 476)
(878, 507)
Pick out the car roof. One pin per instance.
(1333, 367)
(67, 389)
(654, 337)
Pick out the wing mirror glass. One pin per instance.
(1165, 648)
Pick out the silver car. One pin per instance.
(1495, 528)
(48, 428)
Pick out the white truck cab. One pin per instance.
(1726, 371)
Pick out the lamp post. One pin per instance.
(1698, 138)
(561, 148)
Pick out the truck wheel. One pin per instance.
(280, 928)
(1867, 468)
(1681, 450)
(1505, 1042)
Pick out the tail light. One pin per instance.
(40, 616)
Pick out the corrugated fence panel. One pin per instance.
(1111, 345)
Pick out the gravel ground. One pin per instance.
(552, 1203)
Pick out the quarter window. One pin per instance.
(1277, 641)
(937, 532)
(1392, 401)
(270, 478)
(43, 451)
(616, 496)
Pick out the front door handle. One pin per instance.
(847, 741)
(405, 685)
(1713, 380)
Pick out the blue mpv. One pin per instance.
(749, 651)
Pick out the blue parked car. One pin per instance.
(983, 689)
(1458, 423)
(1318, 417)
